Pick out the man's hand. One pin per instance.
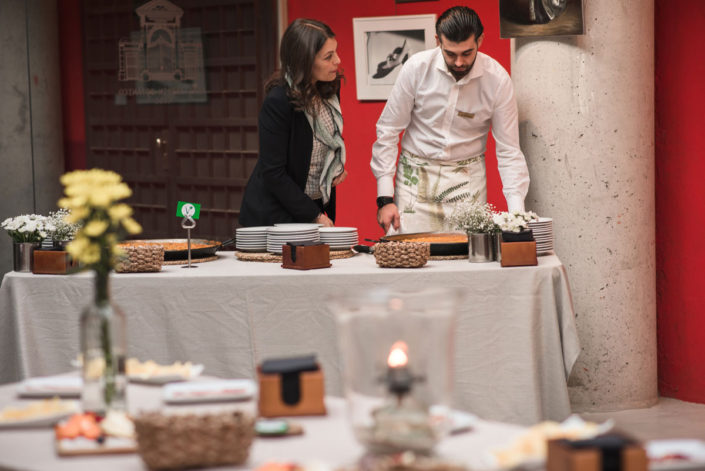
(323, 219)
(388, 215)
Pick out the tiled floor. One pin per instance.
(670, 418)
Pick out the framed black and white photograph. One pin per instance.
(382, 45)
(531, 18)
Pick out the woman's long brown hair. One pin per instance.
(301, 42)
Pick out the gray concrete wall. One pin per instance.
(31, 142)
(586, 111)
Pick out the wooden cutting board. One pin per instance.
(82, 446)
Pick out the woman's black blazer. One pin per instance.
(275, 191)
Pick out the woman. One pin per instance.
(301, 149)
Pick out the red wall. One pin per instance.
(680, 197)
(73, 113)
(356, 196)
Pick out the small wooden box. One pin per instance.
(519, 254)
(53, 262)
(562, 456)
(306, 257)
(312, 391)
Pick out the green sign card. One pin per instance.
(186, 209)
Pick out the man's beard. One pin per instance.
(458, 74)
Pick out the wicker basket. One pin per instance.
(141, 258)
(190, 440)
(402, 254)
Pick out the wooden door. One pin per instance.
(201, 148)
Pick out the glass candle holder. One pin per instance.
(397, 353)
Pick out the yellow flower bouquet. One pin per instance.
(94, 200)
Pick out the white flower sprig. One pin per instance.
(28, 227)
(514, 221)
(63, 230)
(471, 216)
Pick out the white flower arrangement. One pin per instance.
(471, 216)
(514, 221)
(63, 230)
(28, 227)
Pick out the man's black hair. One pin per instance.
(457, 24)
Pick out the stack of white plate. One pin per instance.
(280, 235)
(339, 238)
(543, 234)
(251, 239)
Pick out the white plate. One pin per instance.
(195, 372)
(209, 391)
(50, 386)
(299, 225)
(257, 229)
(459, 421)
(462, 421)
(337, 229)
(292, 237)
(45, 420)
(694, 450)
(338, 237)
(294, 227)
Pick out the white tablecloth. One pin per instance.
(328, 440)
(515, 347)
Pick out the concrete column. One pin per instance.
(586, 112)
(31, 149)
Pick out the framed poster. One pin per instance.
(531, 18)
(382, 45)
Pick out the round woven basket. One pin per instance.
(193, 440)
(141, 258)
(402, 254)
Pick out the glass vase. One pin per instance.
(397, 351)
(103, 346)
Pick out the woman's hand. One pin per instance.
(340, 178)
(323, 219)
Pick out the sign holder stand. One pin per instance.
(188, 224)
(188, 210)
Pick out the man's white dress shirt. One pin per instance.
(448, 120)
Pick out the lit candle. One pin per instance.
(399, 377)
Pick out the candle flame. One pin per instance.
(397, 355)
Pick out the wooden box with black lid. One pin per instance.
(305, 255)
(291, 386)
(518, 249)
(609, 452)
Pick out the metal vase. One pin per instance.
(23, 255)
(497, 246)
(479, 247)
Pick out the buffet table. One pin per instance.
(326, 440)
(516, 338)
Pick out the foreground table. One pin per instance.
(326, 440)
(516, 340)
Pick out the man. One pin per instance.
(445, 100)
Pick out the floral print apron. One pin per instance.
(426, 190)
